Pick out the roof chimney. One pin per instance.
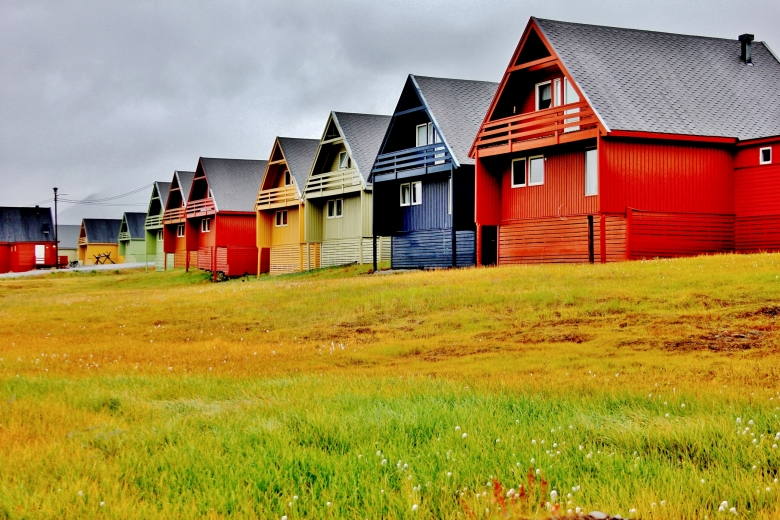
(746, 40)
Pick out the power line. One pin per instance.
(99, 202)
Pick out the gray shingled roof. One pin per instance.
(670, 83)
(26, 225)
(185, 183)
(234, 183)
(299, 155)
(163, 188)
(135, 225)
(457, 107)
(363, 134)
(102, 230)
(68, 235)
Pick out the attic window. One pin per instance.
(343, 160)
(765, 156)
(543, 95)
(287, 178)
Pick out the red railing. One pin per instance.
(550, 122)
(198, 208)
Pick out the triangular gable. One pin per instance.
(277, 158)
(534, 53)
(332, 134)
(179, 190)
(200, 188)
(83, 231)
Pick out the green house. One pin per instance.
(132, 238)
(154, 224)
(337, 195)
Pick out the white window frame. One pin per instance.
(595, 172)
(337, 206)
(761, 155)
(536, 94)
(408, 187)
(416, 193)
(525, 172)
(40, 259)
(449, 196)
(160, 235)
(287, 178)
(417, 134)
(180, 231)
(557, 99)
(343, 161)
(280, 218)
(530, 159)
(205, 225)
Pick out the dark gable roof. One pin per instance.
(299, 154)
(68, 235)
(363, 134)
(234, 182)
(458, 107)
(102, 230)
(163, 188)
(135, 225)
(185, 183)
(670, 83)
(26, 225)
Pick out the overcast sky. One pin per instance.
(100, 97)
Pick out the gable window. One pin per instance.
(543, 95)
(426, 134)
(406, 194)
(160, 235)
(180, 230)
(765, 156)
(281, 218)
(287, 178)
(416, 193)
(518, 172)
(591, 172)
(343, 160)
(205, 225)
(336, 208)
(536, 170)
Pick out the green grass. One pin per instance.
(167, 395)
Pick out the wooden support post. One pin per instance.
(454, 233)
(629, 213)
(478, 244)
(213, 262)
(603, 238)
(590, 239)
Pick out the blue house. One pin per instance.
(423, 178)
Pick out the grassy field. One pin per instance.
(646, 389)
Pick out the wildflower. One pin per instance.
(533, 441)
(384, 462)
(81, 493)
(464, 435)
(328, 504)
(663, 502)
(378, 453)
(739, 420)
(295, 497)
(553, 496)
(768, 490)
(750, 422)
(457, 428)
(102, 504)
(631, 511)
(498, 440)
(414, 507)
(702, 481)
(449, 474)
(682, 405)
(733, 510)
(284, 517)
(578, 510)
(667, 416)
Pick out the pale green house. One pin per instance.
(132, 238)
(154, 224)
(337, 195)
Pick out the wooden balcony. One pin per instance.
(124, 235)
(412, 161)
(82, 241)
(174, 216)
(333, 183)
(277, 197)
(200, 208)
(153, 222)
(548, 127)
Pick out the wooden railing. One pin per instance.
(124, 235)
(411, 158)
(197, 208)
(550, 122)
(338, 180)
(153, 221)
(277, 197)
(172, 216)
(82, 241)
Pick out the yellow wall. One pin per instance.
(87, 252)
(292, 232)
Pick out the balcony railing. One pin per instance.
(339, 180)
(548, 123)
(174, 216)
(124, 235)
(82, 241)
(153, 221)
(412, 158)
(277, 197)
(199, 208)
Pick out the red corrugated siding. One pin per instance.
(5, 258)
(236, 230)
(665, 176)
(758, 233)
(660, 234)
(563, 191)
(487, 192)
(204, 239)
(23, 256)
(756, 186)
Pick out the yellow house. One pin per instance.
(98, 241)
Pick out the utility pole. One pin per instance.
(56, 234)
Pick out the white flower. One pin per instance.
(284, 517)
(750, 422)
(578, 510)
(667, 416)
(328, 504)
(384, 462)
(553, 496)
(682, 405)
(81, 493)
(733, 510)
(457, 428)
(498, 440)
(414, 507)
(663, 502)
(295, 497)
(631, 511)
(739, 420)
(464, 435)
(449, 474)
(102, 504)
(533, 441)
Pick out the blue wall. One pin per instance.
(432, 248)
(432, 213)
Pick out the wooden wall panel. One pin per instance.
(349, 225)
(432, 248)
(289, 234)
(432, 213)
(757, 190)
(665, 176)
(235, 230)
(666, 235)
(487, 192)
(757, 233)
(313, 215)
(5, 258)
(546, 240)
(341, 251)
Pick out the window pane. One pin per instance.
(518, 173)
(766, 155)
(339, 207)
(404, 194)
(591, 173)
(537, 171)
(422, 135)
(417, 192)
(569, 94)
(544, 96)
(284, 218)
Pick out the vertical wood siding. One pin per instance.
(235, 230)
(432, 213)
(314, 211)
(349, 225)
(229, 260)
(22, 256)
(289, 234)
(159, 260)
(432, 248)
(662, 234)
(5, 258)
(488, 192)
(657, 176)
(170, 261)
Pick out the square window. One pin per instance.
(406, 194)
(518, 172)
(416, 193)
(180, 230)
(591, 172)
(343, 160)
(335, 208)
(205, 225)
(535, 171)
(765, 156)
(543, 95)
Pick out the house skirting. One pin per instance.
(432, 248)
(290, 258)
(345, 251)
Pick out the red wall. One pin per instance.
(5, 258)
(204, 239)
(665, 176)
(236, 230)
(22, 257)
(487, 191)
(756, 186)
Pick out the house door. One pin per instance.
(40, 254)
(489, 253)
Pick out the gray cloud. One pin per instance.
(100, 97)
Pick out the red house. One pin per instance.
(175, 225)
(26, 239)
(221, 219)
(605, 144)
